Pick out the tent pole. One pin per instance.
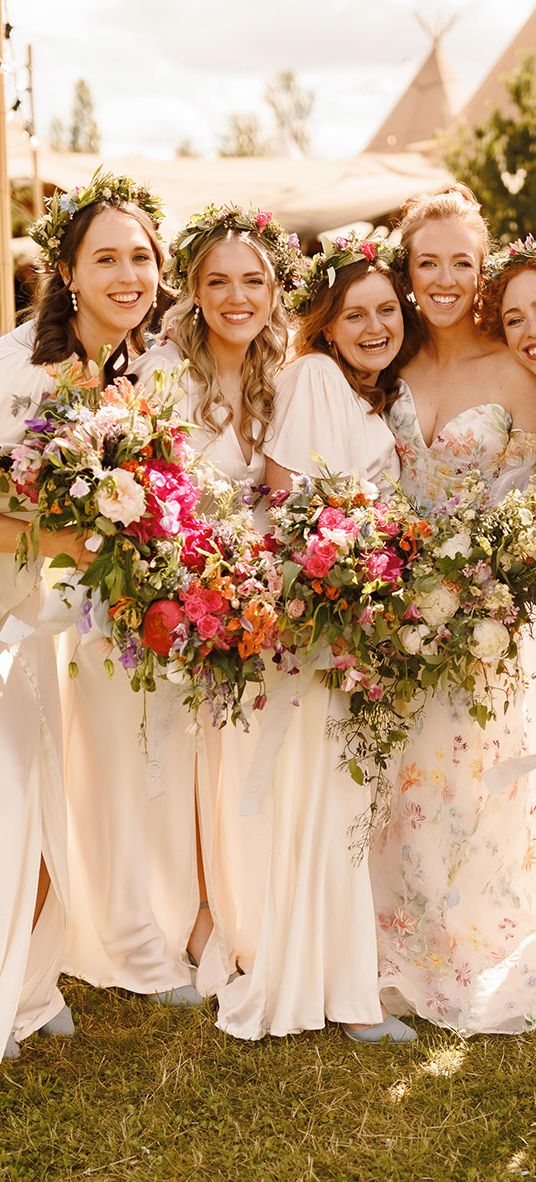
(7, 294)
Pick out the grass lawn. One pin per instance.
(149, 1094)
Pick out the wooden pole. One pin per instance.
(38, 207)
(7, 294)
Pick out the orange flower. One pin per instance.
(411, 777)
(119, 607)
(332, 592)
(317, 586)
(55, 507)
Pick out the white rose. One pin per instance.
(120, 497)
(413, 636)
(460, 543)
(438, 606)
(490, 640)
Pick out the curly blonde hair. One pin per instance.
(265, 354)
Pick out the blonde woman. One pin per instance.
(148, 893)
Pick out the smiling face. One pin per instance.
(234, 294)
(445, 260)
(518, 314)
(115, 276)
(369, 329)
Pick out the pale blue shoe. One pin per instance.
(183, 995)
(62, 1024)
(12, 1049)
(392, 1028)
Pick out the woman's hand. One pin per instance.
(66, 541)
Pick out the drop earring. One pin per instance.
(155, 301)
(74, 301)
(197, 310)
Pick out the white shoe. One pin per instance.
(392, 1028)
(12, 1049)
(62, 1024)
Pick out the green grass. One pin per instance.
(149, 1094)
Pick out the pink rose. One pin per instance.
(368, 249)
(208, 626)
(332, 519)
(262, 219)
(295, 608)
(384, 565)
(318, 558)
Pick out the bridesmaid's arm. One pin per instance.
(277, 477)
(66, 541)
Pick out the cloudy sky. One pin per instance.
(180, 75)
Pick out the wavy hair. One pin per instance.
(55, 336)
(493, 296)
(327, 305)
(265, 354)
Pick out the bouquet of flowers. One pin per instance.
(472, 589)
(398, 605)
(111, 463)
(347, 560)
(204, 608)
(189, 587)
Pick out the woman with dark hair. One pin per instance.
(453, 873)
(100, 243)
(315, 957)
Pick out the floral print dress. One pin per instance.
(454, 871)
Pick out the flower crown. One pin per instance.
(337, 253)
(48, 230)
(515, 252)
(283, 248)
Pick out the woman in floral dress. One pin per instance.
(454, 872)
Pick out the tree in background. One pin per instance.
(83, 134)
(244, 137)
(291, 108)
(497, 159)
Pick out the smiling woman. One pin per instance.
(101, 245)
(453, 872)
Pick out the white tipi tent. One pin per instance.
(491, 92)
(427, 106)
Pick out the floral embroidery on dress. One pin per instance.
(454, 871)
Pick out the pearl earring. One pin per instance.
(197, 310)
(74, 301)
(155, 301)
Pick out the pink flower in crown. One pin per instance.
(293, 242)
(385, 565)
(368, 249)
(375, 692)
(262, 219)
(318, 559)
(342, 243)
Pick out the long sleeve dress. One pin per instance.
(32, 805)
(315, 953)
(454, 872)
